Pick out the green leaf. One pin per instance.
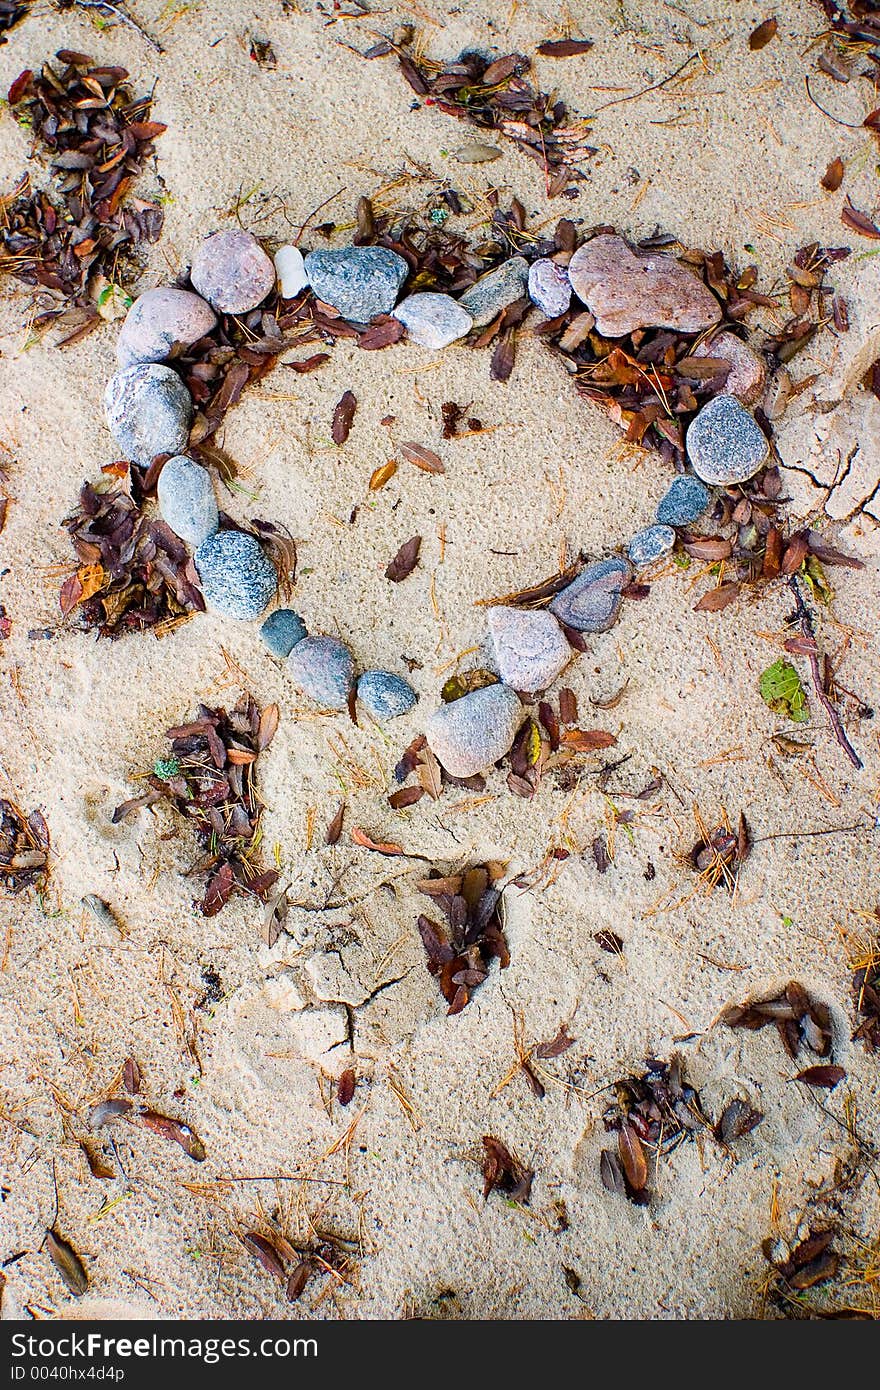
(166, 768)
(781, 689)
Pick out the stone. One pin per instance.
(187, 501)
(651, 544)
(282, 630)
(549, 287)
(724, 443)
(237, 578)
(358, 281)
(591, 602)
(232, 271)
(494, 291)
(468, 735)
(685, 501)
(148, 412)
(161, 323)
(433, 320)
(323, 669)
(290, 268)
(384, 695)
(747, 376)
(627, 289)
(530, 647)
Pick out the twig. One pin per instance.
(806, 625)
(799, 834)
(850, 125)
(615, 101)
(123, 19)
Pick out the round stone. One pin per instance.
(237, 578)
(725, 444)
(433, 320)
(357, 281)
(161, 323)
(384, 695)
(685, 501)
(494, 291)
(591, 602)
(323, 669)
(282, 630)
(651, 544)
(530, 647)
(187, 501)
(232, 271)
(549, 287)
(470, 734)
(291, 271)
(148, 412)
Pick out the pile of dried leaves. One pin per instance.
(460, 953)
(209, 777)
(652, 1114)
(504, 1172)
(295, 1265)
(811, 1262)
(24, 848)
(720, 851)
(866, 992)
(800, 1020)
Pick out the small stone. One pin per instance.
(651, 544)
(747, 376)
(282, 630)
(187, 501)
(358, 281)
(470, 734)
(685, 501)
(591, 602)
(530, 647)
(323, 669)
(237, 579)
(161, 323)
(232, 271)
(433, 320)
(549, 287)
(724, 443)
(290, 267)
(148, 412)
(628, 289)
(495, 290)
(384, 695)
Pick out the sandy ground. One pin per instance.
(729, 158)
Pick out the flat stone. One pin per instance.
(290, 268)
(591, 602)
(433, 320)
(628, 289)
(748, 375)
(549, 287)
(530, 647)
(282, 630)
(494, 291)
(685, 501)
(187, 501)
(384, 695)
(148, 411)
(468, 735)
(724, 443)
(357, 281)
(651, 544)
(237, 578)
(161, 323)
(323, 669)
(332, 982)
(232, 271)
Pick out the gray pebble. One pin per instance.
(651, 544)
(591, 602)
(685, 501)
(470, 734)
(161, 322)
(282, 630)
(724, 443)
(187, 501)
(323, 669)
(358, 281)
(530, 647)
(549, 287)
(237, 578)
(494, 291)
(232, 271)
(433, 320)
(148, 412)
(384, 695)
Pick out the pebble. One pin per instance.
(494, 291)
(628, 289)
(685, 501)
(232, 271)
(591, 602)
(724, 443)
(290, 267)
(187, 501)
(237, 578)
(282, 630)
(747, 376)
(433, 320)
(358, 281)
(651, 544)
(530, 647)
(160, 322)
(323, 669)
(384, 695)
(549, 287)
(468, 735)
(148, 411)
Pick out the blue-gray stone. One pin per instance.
(685, 501)
(651, 544)
(187, 501)
(725, 444)
(323, 669)
(148, 411)
(358, 281)
(237, 578)
(384, 695)
(495, 290)
(549, 287)
(282, 630)
(591, 602)
(433, 320)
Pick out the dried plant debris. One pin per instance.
(11, 12)
(460, 953)
(866, 989)
(68, 1263)
(209, 778)
(720, 851)
(800, 1020)
(294, 1265)
(811, 1263)
(651, 1115)
(24, 848)
(504, 1172)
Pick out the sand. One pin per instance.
(730, 157)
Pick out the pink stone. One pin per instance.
(628, 289)
(748, 374)
(232, 271)
(160, 323)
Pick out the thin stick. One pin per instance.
(123, 19)
(806, 625)
(850, 125)
(653, 87)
